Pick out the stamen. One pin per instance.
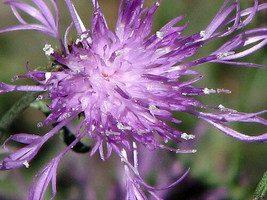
(122, 127)
(112, 133)
(118, 52)
(40, 124)
(15, 78)
(93, 127)
(39, 98)
(224, 109)
(135, 155)
(81, 38)
(213, 91)
(67, 115)
(124, 154)
(222, 55)
(209, 91)
(131, 35)
(48, 49)
(153, 108)
(178, 67)
(203, 33)
(186, 151)
(84, 57)
(140, 132)
(26, 164)
(186, 136)
(160, 34)
(47, 76)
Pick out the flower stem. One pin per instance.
(15, 110)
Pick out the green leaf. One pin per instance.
(261, 189)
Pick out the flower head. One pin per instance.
(127, 83)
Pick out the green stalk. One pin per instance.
(261, 189)
(16, 110)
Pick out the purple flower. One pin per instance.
(126, 83)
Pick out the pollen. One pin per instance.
(48, 49)
(186, 136)
(81, 38)
(153, 108)
(47, 76)
(83, 57)
(203, 33)
(26, 164)
(160, 34)
(209, 91)
(122, 127)
(223, 55)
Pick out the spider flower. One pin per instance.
(126, 83)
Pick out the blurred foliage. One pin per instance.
(220, 161)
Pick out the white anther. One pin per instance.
(140, 132)
(221, 107)
(48, 49)
(81, 38)
(203, 33)
(160, 34)
(209, 91)
(26, 164)
(224, 109)
(112, 133)
(186, 136)
(153, 108)
(93, 127)
(179, 67)
(122, 127)
(222, 55)
(83, 57)
(118, 52)
(186, 151)
(167, 50)
(131, 35)
(134, 145)
(124, 154)
(14, 78)
(39, 98)
(47, 76)
(40, 124)
(66, 115)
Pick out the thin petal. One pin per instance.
(75, 17)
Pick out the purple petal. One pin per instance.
(29, 10)
(47, 12)
(36, 27)
(234, 134)
(23, 138)
(46, 175)
(75, 17)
